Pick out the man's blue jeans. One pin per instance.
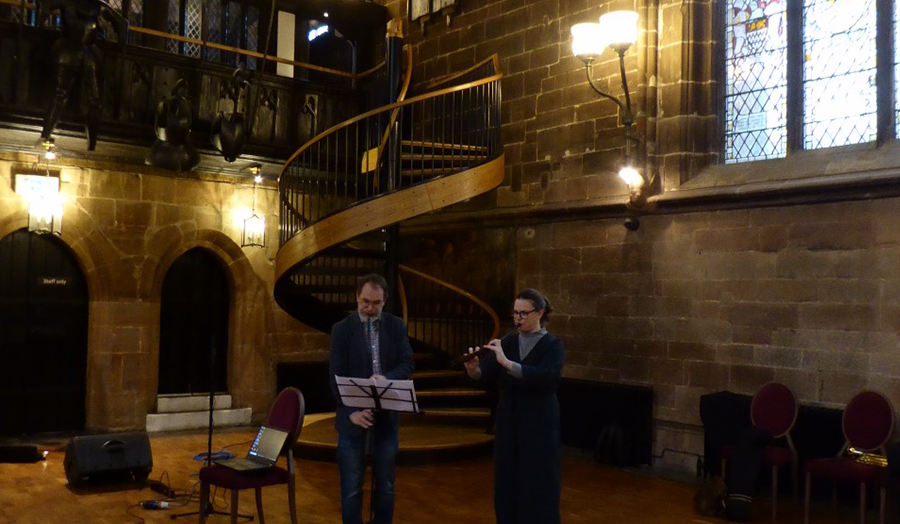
(351, 456)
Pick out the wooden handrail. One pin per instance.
(222, 47)
(389, 107)
(404, 306)
(482, 304)
(495, 58)
(396, 113)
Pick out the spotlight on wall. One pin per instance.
(618, 31)
(49, 149)
(253, 232)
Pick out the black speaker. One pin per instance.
(20, 453)
(118, 454)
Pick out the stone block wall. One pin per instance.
(699, 302)
(126, 225)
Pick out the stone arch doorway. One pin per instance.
(194, 306)
(43, 335)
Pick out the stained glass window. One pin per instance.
(839, 89)
(756, 80)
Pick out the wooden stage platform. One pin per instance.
(422, 440)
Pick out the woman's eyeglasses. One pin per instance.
(522, 314)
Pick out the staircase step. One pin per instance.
(331, 271)
(441, 158)
(436, 373)
(191, 402)
(434, 172)
(450, 392)
(198, 419)
(481, 413)
(341, 251)
(439, 145)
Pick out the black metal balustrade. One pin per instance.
(134, 79)
(392, 148)
(443, 316)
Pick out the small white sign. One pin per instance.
(32, 186)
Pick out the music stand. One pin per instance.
(376, 394)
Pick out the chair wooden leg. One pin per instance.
(795, 477)
(862, 503)
(292, 498)
(204, 496)
(806, 499)
(259, 506)
(234, 506)
(774, 493)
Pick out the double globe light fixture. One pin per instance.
(618, 31)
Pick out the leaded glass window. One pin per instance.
(213, 18)
(174, 24)
(193, 24)
(251, 29)
(839, 89)
(756, 80)
(896, 16)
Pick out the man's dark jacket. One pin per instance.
(350, 357)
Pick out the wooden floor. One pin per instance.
(459, 492)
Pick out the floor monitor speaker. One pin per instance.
(119, 454)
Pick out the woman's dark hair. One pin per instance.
(538, 301)
(374, 280)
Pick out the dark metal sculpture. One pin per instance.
(228, 129)
(172, 148)
(76, 55)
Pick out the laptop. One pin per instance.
(263, 452)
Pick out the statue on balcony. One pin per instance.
(76, 55)
(173, 148)
(228, 129)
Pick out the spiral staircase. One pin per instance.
(343, 194)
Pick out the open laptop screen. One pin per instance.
(267, 444)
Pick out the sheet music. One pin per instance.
(394, 395)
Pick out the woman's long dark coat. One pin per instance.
(527, 444)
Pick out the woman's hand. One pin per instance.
(497, 348)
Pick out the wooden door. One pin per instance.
(43, 335)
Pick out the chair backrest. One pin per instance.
(774, 409)
(868, 421)
(287, 414)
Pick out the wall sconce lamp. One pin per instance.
(254, 231)
(618, 31)
(44, 202)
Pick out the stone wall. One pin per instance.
(126, 226)
(727, 292)
(700, 302)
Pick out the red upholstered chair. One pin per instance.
(773, 410)
(287, 415)
(867, 423)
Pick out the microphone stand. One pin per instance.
(206, 507)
